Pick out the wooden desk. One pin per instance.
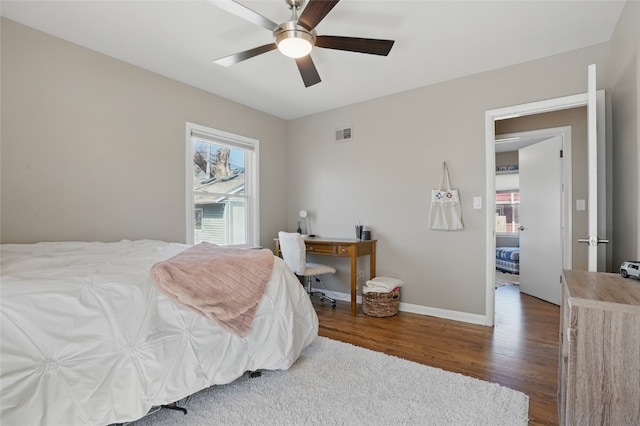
(343, 247)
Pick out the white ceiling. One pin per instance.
(435, 41)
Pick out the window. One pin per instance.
(198, 219)
(222, 188)
(507, 211)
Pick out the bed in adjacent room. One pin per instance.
(88, 338)
(508, 259)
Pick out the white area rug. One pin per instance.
(334, 383)
(504, 278)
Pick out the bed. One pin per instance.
(508, 259)
(88, 339)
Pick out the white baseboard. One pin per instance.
(443, 313)
(344, 297)
(417, 309)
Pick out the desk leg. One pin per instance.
(372, 262)
(354, 282)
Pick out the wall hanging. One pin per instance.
(445, 213)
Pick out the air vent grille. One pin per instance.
(344, 134)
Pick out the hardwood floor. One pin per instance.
(520, 352)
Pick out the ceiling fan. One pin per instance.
(296, 37)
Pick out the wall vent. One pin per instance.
(344, 134)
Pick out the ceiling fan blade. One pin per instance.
(245, 13)
(372, 46)
(314, 12)
(308, 71)
(227, 61)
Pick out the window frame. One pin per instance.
(505, 191)
(252, 157)
(195, 210)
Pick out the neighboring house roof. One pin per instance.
(227, 185)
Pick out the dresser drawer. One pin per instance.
(321, 248)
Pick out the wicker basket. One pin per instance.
(381, 304)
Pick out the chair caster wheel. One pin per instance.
(255, 374)
(333, 305)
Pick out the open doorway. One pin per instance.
(507, 199)
(532, 210)
(494, 120)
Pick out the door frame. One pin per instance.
(532, 108)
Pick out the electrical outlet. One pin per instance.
(360, 274)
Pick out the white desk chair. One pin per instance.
(294, 254)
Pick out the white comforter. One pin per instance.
(87, 338)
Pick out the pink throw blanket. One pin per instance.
(223, 284)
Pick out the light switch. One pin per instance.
(580, 205)
(477, 203)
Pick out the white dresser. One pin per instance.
(599, 369)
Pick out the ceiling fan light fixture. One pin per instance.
(294, 47)
(294, 41)
(297, 37)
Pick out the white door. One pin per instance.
(597, 180)
(541, 215)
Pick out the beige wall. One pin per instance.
(577, 119)
(625, 83)
(94, 148)
(384, 176)
(507, 158)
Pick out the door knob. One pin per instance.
(521, 228)
(593, 241)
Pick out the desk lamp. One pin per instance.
(306, 222)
